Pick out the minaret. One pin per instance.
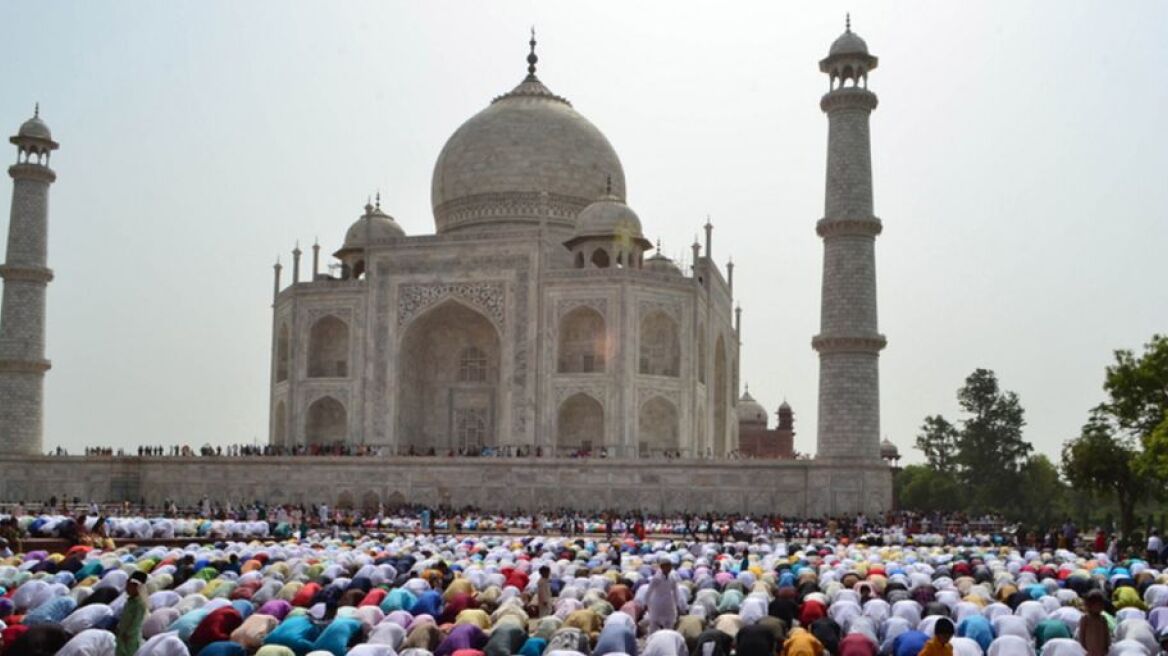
(22, 312)
(848, 342)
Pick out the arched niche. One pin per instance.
(283, 353)
(660, 348)
(582, 342)
(449, 378)
(326, 423)
(721, 397)
(580, 424)
(280, 424)
(328, 348)
(657, 426)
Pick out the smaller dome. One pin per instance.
(888, 450)
(371, 227)
(608, 216)
(751, 411)
(35, 128)
(661, 264)
(849, 43)
(784, 406)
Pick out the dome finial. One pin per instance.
(848, 22)
(531, 58)
(377, 204)
(36, 110)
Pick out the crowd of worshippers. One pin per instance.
(422, 595)
(893, 527)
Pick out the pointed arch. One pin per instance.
(328, 348)
(580, 424)
(326, 423)
(450, 357)
(345, 501)
(702, 353)
(701, 445)
(582, 342)
(657, 427)
(660, 349)
(280, 424)
(369, 503)
(721, 394)
(600, 258)
(283, 353)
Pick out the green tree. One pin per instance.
(922, 488)
(1042, 496)
(985, 452)
(1106, 462)
(1137, 390)
(990, 442)
(938, 440)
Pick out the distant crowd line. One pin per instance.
(901, 527)
(359, 450)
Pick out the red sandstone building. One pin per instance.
(755, 439)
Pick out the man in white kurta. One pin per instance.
(663, 599)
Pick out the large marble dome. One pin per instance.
(529, 153)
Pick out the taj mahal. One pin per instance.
(537, 321)
(533, 317)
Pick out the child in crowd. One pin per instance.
(939, 645)
(1094, 633)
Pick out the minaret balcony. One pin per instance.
(14, 365)
(828, 227)
(849, 344)
(848, 98)
(29, 171)
(26, 273)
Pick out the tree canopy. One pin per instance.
(985, 452)
(1105, 463)
(982, 461)
(1137, 403)
(1122, 451)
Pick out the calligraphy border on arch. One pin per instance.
(598, 391)
(414, 298)
(518, 263)
(343, 312)
(672, 309)
(566, 305)
(646, 394)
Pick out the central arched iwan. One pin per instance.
(448, 387)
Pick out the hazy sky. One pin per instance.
(1019, 152)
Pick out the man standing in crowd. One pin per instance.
(129, 630)
(662, 599)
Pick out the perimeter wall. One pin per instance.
(795, 488)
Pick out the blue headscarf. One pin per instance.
(430, 603)
(978, 629)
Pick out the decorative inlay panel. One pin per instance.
(486, 296)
